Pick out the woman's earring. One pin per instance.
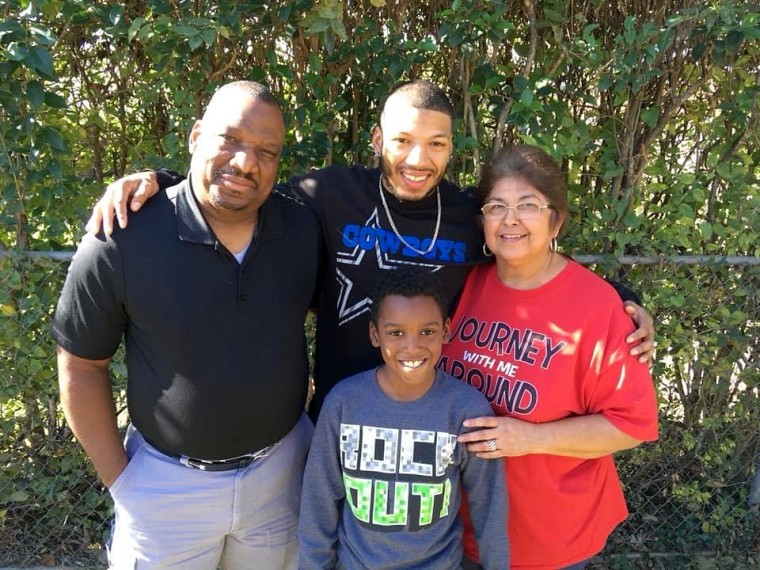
(487, 252)
(377, 154)
(553, 245)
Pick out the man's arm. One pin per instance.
(642, 339)
(134, 190)
(88, 405)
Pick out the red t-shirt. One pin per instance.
(541, 355)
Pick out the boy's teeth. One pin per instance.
(415, 178)
(411, 363)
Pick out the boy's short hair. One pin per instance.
(408, 282)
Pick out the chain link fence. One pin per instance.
(694, 493)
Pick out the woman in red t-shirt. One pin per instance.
(543, 339)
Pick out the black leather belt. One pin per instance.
(226, 464)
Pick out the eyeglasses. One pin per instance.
(523, 210)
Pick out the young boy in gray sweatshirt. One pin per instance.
(385, 474)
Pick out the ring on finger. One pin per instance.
(491, 445)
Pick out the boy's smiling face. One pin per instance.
(409, 333)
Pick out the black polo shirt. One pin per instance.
(216, 353)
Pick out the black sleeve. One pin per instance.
(91, 316)
(625, 293)
(167, 178)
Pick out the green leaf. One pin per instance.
(19, 496)
(456, 37)
(734, 41)
(686, 211)
(427, 45)
(317, 26)
(698, 51)
(588, 34)
(629, 32)
(329, 41)
(224, 31)
(43, 63)
(185, 30)
(493, 81)
(55, 170)
(698, 194)
(724, 170)
(145, 31)
(36, 93)
(11, 28)
(42, 35)
(719, 53)
(209, 36)
(339, 29)
(611, 170)
(115, 14)
(30, 12)
(553, 16)
(195, 42)
(52, 138)
(751, 32)
(678, 299)
(134, 28)
(17, 51)
(650, 116)
(619, 206)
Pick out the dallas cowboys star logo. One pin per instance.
(351, 304)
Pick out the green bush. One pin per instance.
(652, 110)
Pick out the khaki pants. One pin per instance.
(170, 516)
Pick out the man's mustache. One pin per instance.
(234, 172)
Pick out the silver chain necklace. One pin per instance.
(395, 229)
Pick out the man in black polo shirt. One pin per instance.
(210, 289)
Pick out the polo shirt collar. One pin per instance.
(192, 226)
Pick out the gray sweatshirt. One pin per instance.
(383, 481)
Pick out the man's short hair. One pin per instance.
(254, 90)
(423, 94)
(408, 282)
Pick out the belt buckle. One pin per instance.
(221, 465)
(262, 453)
(225, 464)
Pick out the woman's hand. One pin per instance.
(584, 437)
(642, 338)
(134, 189)
(511, 437)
